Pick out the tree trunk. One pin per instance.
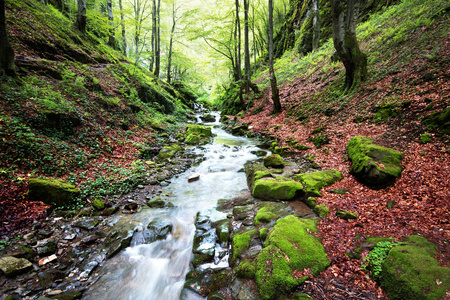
(346, 43)
(169, 63)
(81, 16)
(152, 58)
(122, 21)
(137, 25)
(157, 40)
(273, 79)
(112, 39)
(6, 51)
(238, 54)
(316, 25)
(246, 48)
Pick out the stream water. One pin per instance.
(157, 270)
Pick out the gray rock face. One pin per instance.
(12, 266)
(116, 241)
(46, 247)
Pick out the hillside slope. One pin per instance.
(405, 104)
(80, 111)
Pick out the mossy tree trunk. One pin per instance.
(6, 51)
(111, 38)
(316, 25)
(122, 22)
(346, 43)
(81, 16)
(237, 36)
(158, 40)
(273, 79)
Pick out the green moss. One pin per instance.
(373, 164)
(198, 129)
(54, 192)
(321, 210)
(411, 272)
(263, 233)
(264, 215)
(346, 215)
(241, 242)
(279, 188)
(169, 151)
(425, 138)
(98, 204)
(300, 147)
(310, 202)
(289, 249)
(320, 140)
(273, 161)
(246, 269)
(315, 181)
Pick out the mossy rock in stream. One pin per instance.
(198, 135)
(198, 129)
(410, 271)
(315, 181)
(169, 151)
(270, 211)
(241, 243)
(279, 188)
(373, 165)
(54, 192)
(273, 161)
(289, 249)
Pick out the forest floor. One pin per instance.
(420, 197)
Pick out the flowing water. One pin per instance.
(157, 270)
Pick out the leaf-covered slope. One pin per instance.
(80, 110)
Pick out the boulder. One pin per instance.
(116, 241)
(289, 250)
(198, 135)
(208, 118)
(12, 266)
(410, 271)
(46, 247)
(156, 230)
(54, 192)
(315, 181)
(241, 243)
(279, 188)
(273, 161)
(169, 151)
(321, 210)
(269, 212)
(373, 165)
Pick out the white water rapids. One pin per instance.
(156, 271)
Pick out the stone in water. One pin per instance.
(193, 177)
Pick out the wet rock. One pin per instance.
(57, 193)
(243, 212)
(269, 212)
(131, 206)
(87, 223)
(205, 242)
(89, 240)
(164, 183)
(12, 266)
(193, 177)
(222, 230)
(47, 278)
(244, 289)
(259, 153)
(45, 233)
(116, 241)
(109, 211)
(156, 203)
(46, 247)
(208, 118)
(169, 151)
(204, 282)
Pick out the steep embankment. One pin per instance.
(81, 112)
(403, 105)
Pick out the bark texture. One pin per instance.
(346, 43)
(273, 79)
(6, 51)
(112, 39)
(81, 16)
(122, 23)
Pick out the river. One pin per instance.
(156, 271)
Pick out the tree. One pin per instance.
(158, 40)
(6, 51)
(122, 21)
(346, 43)
(316, 25)
(81, 16)
(273, 79)
(247, 69)
(172, 32)
(111, 39)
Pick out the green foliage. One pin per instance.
(376, 257)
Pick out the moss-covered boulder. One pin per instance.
(54, 192)
(346, 215)
(98, 204)
(279, 188)
(321, 210)
(12, 266)
(372, 164)
(241, 243)
(269, 212)
(197, 134)
(410, 271)
(273, 161)
(169, 151)
(255, 170)
(289, 250)
(315, 181)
